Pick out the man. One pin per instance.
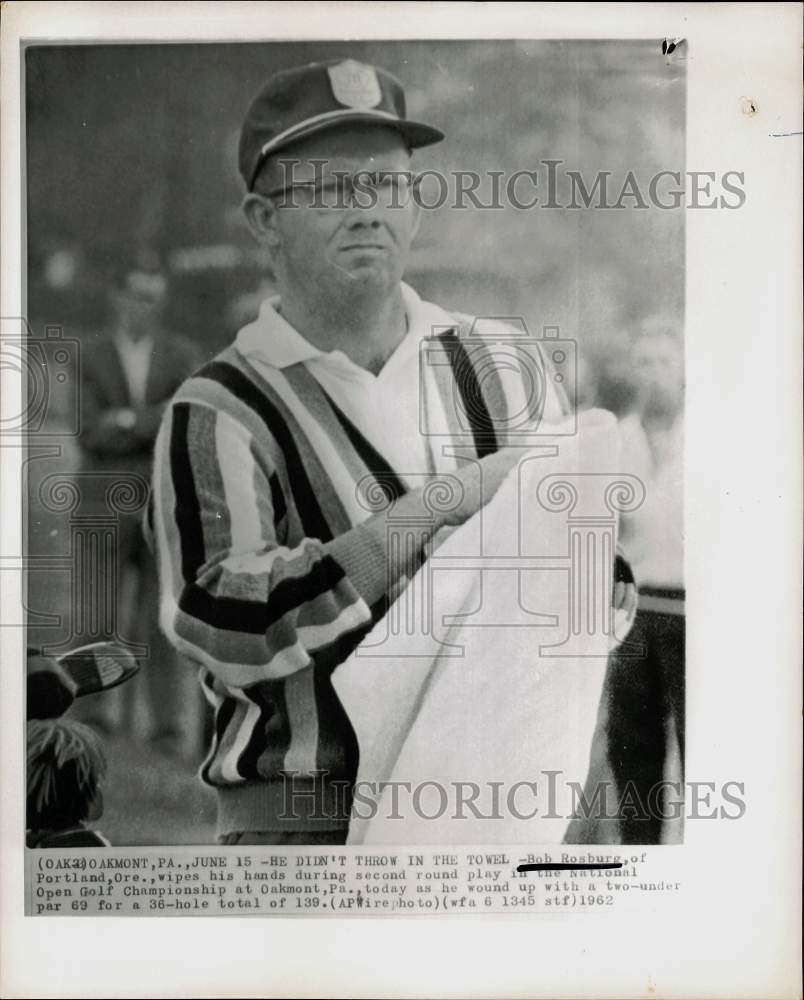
(652, 447)
(127, 375)
(273, 567)
(646, 731)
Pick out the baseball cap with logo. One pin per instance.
(299, 102)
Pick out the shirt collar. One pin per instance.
(272, 340)
(143, 343)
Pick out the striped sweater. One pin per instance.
(272, 572)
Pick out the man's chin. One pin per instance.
(369, 274)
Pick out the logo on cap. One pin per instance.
(355, 85)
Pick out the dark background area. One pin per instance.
(134, 146)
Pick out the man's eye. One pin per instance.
(393, 179)
(331, 189)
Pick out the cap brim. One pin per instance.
(416, 134)
(98, 667)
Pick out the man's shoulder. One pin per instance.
(211, 375)
(488, 327)
(97, 347)
(491, 342)
(445, 320)
(228, 384)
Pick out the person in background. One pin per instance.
(66, 762)
(653, 449)
(128, 373)
(66, 766)
(646, 729)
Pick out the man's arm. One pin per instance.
(106, 430)
(182, 358)
(109, 430)
(234, 598)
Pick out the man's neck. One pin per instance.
(367, 331)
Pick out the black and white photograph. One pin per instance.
(315, 303)
(401, 499)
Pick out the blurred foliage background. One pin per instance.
(133, 147)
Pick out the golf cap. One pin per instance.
(299, 102)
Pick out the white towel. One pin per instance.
(487, 700)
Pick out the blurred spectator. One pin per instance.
(66, 766)
(50, 690)
(582, 386)
(66, 760)
(615, 386)
(128, 373)
(646, 727)
(652, 448)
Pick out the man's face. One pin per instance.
(140, 303)
(329, 238)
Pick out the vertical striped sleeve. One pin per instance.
(246, 607)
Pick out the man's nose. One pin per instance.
(363, 218)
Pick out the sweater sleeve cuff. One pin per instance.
(361, 552)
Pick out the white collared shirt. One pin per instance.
(135, 358)
(388, 408)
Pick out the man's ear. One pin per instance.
(417, 208)
(417, 218)
(260, 213)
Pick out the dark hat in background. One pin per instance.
(299, 102)
(53, 683)
(50, 690)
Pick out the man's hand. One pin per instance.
(122, 419)
(625, 599)
(480, 481)
(625, 588)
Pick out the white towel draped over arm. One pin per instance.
(515, 704)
